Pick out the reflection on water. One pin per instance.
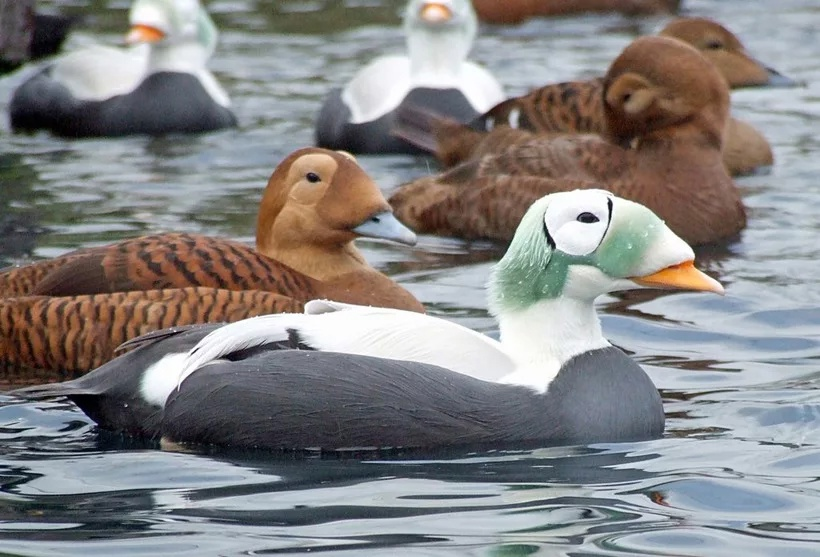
(736, 473)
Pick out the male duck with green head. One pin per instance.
(551, 378)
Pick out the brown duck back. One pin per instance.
(73, 334)
(516, 11)
(173, 260)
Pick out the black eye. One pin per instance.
(714, 45)
(312, 177)
(587, 218)
(626, 97)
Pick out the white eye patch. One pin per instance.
(578, 220)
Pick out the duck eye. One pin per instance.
(626, 97)
(312, 177)
(714, 45)
(587, 218)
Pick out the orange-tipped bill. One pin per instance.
(683, 276)
(144, 34)
(435, 12)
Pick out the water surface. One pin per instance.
(735, 474)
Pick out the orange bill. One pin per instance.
(683, 276)
(144, 34)
(435, 12)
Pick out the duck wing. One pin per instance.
(573, 106)
(365, 330)
(171, 261)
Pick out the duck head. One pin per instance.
(318, 201)
(570, 248)
(722, 47)
(172, 23)
(439, 35)
(658, 86)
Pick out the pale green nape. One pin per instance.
(530, 270)
(207, 31)
(633, 229)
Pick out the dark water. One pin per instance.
(736, 474)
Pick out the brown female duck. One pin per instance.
(516, 11)
(577, 107)
(69, 313)
(661, 147)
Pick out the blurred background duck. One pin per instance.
(71, 312)
(662, 147)
(577, 106)
(159, 87)
(552, 377)
(38, 35)
(517, 11)
(435, 74)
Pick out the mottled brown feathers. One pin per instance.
(572, 106)
(481, 208)
(663, 151)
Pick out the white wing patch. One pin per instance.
(377, 89)
(364, 330)
(97, 73)
(160, 378)
(514, 118)
(381, 86)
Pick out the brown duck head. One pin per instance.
(660, 87)
(722, 47)
(316, 203)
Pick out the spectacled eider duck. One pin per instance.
(366, 377)
(435, 74)
(158, 87)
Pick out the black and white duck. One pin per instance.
(344, 376)
(434, 74)
(160, 85)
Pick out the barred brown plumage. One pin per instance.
(49, 333)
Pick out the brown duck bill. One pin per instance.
(683, 276)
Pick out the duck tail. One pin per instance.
(417, 126)
(50, 390)
(449, 140)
